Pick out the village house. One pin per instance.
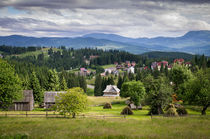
(159, 64)
(84, 72)
(188, 64)
(131, 69)
(49, 98)
(26, 103)
(110, 70)
(111, 91)
(179, 61)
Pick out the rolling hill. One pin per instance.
(193, 42)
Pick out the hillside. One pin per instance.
(168, 55)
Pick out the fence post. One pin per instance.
(151, 115)
(124, 116)
(6, 114)
(26, 114)
(46, 114)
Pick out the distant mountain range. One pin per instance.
(194, 42)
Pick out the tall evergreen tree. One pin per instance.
(166, 70)
(98, 83)
(63, 84)
(162, 68)
(138, 75)
(35, 86)
(53, 81)
(110, 81)
(83, 83)
(120, 82)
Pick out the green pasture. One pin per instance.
(139, 125)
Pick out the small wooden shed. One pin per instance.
(26, 104)
(49, 98)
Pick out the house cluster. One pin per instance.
(127, 66)
(166, 64)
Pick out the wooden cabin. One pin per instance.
(26, 104)
(111, 91)
(49, 98)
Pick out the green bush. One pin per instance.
(107, 106)
(127, 111)
(181, 110)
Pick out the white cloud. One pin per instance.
(130, 18)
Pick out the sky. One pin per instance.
(130, 18)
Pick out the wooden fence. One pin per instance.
(54, 115)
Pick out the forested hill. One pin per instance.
(168, 55)
(196, 42)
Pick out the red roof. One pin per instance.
(181, 60)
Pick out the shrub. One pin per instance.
(127, 111)
(107, 106)
(181, 110)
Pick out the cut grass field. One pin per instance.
(139, 125)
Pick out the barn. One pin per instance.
(26, 104)
(111, 91)
(49, 98)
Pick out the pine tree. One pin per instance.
(35, 86)
(82, 83)
(125, 77)
(138, 76)
(131, 76)
(120, 82)
(162, 68)
(53, 81)
(156, 73)
(98, 83)
(166, 71)
(63, 84)
(110, 81)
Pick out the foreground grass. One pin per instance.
(177, 127)
(139, 125)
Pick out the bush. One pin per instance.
(181, 110)
(171, 110)
(107, 106)
(127, 111)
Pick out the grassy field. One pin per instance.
(108, 66)
(139, 125)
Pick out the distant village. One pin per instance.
(129, 67)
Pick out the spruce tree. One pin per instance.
(63, 84)
(35, 86)
(53, 81)
(98, 83)
(138, 76)
(120, 82)
(82, 83)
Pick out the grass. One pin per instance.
(36, 53)
(139, 125)
(184, 127)
(108, 66)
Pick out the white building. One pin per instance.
(111, 91)
(131, 69)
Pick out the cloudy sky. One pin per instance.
(131, 18)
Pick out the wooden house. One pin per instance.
(25, 104)
(49, 98)
(111, 91)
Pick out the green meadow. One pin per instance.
(139, 125)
